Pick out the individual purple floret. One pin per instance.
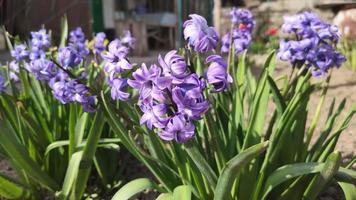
(173, 65)
(199, 35)
(117, 89)
(314, 44)
(154, 115)
(99, 43)
(217, 74)
(68, 57)
(19, 52)
(115, 57)
(178, 128)
(243, 18)
(128, 40)
(146, 79)
(14, 70)
(2, 84)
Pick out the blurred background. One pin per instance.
(157, 24)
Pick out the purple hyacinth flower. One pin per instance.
(243, 18)
(37, 53)
(40, 39)
(42, 69)
(99, 43)
(77, 36)
(173, 64)
(199, 35)
(194, 108)
(217, 73)
(64, 90)
(117, 89)
(178, 128)
(154, 115)
(68, 57)
(89, 104)
(2, 84)
(145, 80)
(128, 39)
(241, 40)
(324, 58)
(296, 51)
(115, 57)
(19, 52)
(14, 70)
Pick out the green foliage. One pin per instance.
(229, 158)
(51, 146)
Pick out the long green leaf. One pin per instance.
(89, 153)
(202, 164)
(182, 192)
(330, 168)
(233, 167)
(64, 28)
(132, 188)
(287, 172)
(349, 190)
(71, 174)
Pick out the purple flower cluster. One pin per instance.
(314, 43)
(199, 35)
(69, 90)
(170, 96)
(240, 36)
(64, 88)
(2, 84)
(116, 64)
(77, 43)
(40, 42)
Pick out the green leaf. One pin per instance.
(19, 154)
(318, 183)
(71, 174)
(133, 187)
(233, 167)
(349, 190)
(202, 164)
(64, 34)
(89, 153)
(241, 70)
(182, 192)
(9, 189)
(346, 175)
(165, 196)
(287, 172)
(278, 98)
(80, 128)
(259, 105)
